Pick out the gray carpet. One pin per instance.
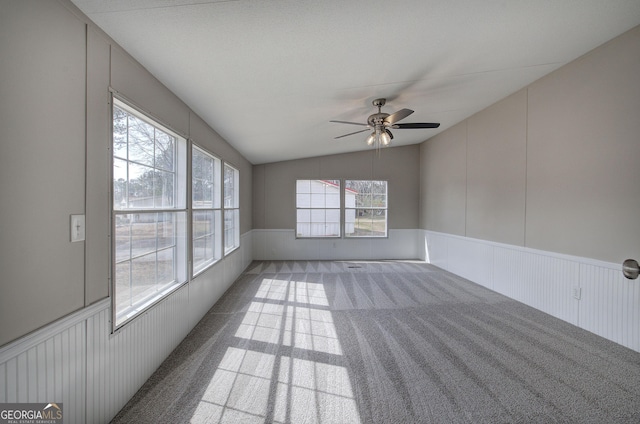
(384, 342)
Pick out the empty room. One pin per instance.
(242, 211)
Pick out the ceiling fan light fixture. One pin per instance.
(385, 139)
(371, 139)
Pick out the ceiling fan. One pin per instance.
(381, 123)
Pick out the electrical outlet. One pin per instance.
(77, 228)
(577, 292)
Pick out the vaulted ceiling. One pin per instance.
(269, 75)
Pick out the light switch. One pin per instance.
(77, 228)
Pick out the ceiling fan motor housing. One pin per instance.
(377, 119)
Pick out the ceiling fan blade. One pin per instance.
(352, 123)
(416, 125)
(395, 117)
(340, 136)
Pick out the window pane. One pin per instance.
(349, 198)
(379, 200)
(317, 215)
(141, 181)
(143, 234)
(166, 267)
(303, 186)
(349, 221)
(228, 187)
(333, 215)
(303, 200)
(333, 200)
(120, 184)
(119, 133)
(304, 215)
(379, 222)
(203, 253)
(166, 230)
(205, 180)
(143, 277)
(202, 223)
(231, 229)
(165, 151)
(123, 238)
(163, 193)
(318, 200)
(207, 239)
(231, 203)
(141, 141)
(363, 200)
(366, 214)
(231, 179)
(123, 285)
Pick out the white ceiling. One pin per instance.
(269, 75)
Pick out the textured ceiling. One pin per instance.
(269, 75)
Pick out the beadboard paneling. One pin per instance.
(588, 293)
(79, 362)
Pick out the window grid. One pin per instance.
(365, 208)
(231, 208)
(205, 189)
(318, 208)
(149, 207)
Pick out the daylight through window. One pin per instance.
(365, 208)
(149, 207)
(231, 208)
(206, 222)
(318, 208)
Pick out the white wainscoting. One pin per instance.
(283, 245)
(608, 304)
(79, 362)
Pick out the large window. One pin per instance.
(231, 208)
(206, 222)
(365, 208)
(149, 211)
(318, 208)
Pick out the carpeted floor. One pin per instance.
(384, 342)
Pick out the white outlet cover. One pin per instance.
(577, 292)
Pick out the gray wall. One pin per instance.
(552, 167)
(55, 74)
(274, 184)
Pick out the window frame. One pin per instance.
(370, 207)
(178, 209)
(233, 210)
(216, 208)
(311, 208)
(343, 210)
